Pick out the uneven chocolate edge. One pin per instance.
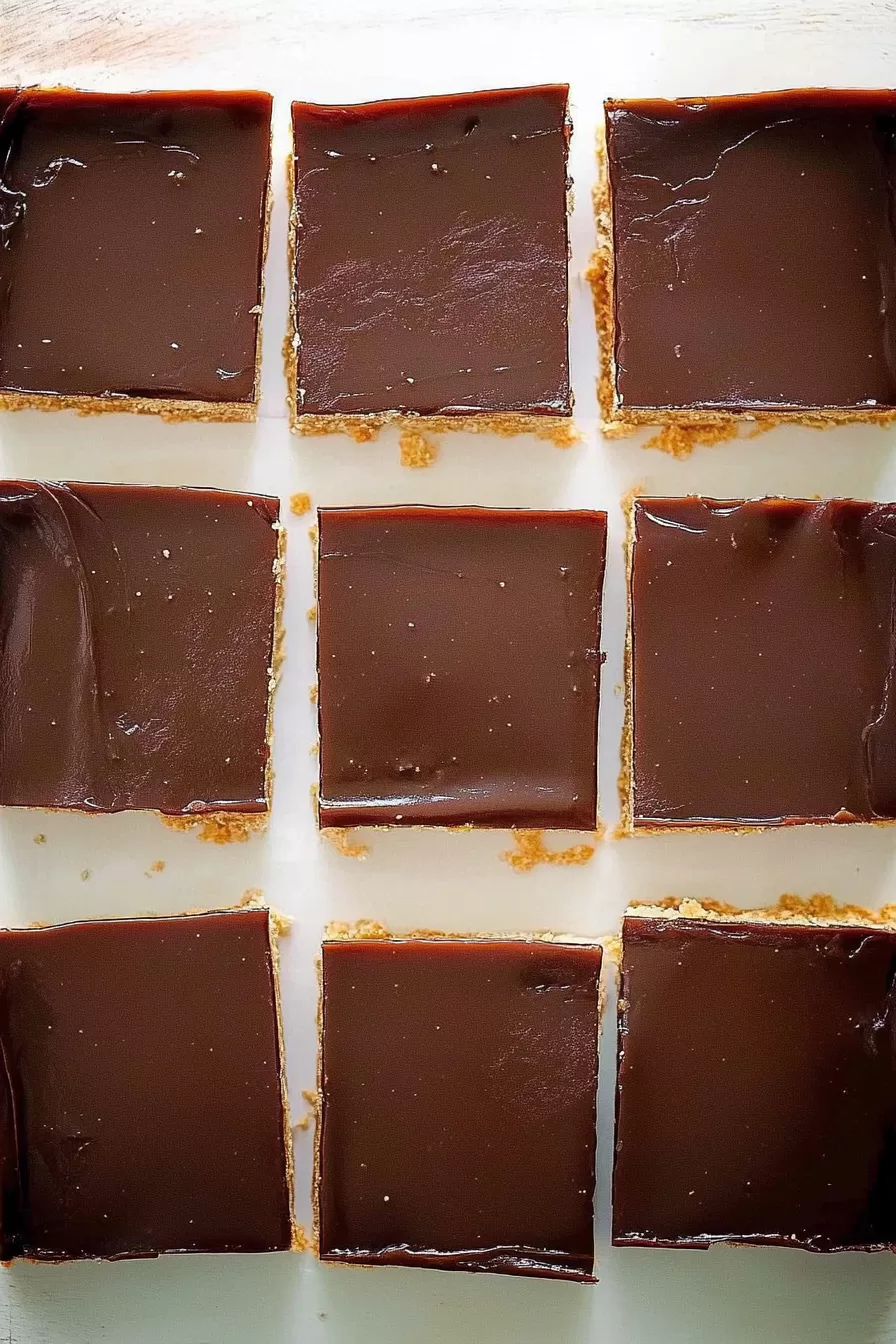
(363, 428)
(370, 930)
(688, 427)
(626, 786)
(175, 410)
(278, 927)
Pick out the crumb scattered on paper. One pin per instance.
(530, 851)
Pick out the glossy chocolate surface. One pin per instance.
(755, 250)
(133, 236)
(136, 637)
(140, 1101)
(755, 1098)
(763, 661)
(459, 1084)
(459, 663)
(432, 254)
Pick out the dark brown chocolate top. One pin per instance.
(133, 228)
(458, 1102)
(755, 1097)
(763, 659)
(432, 253)
(136, 636)
(755, 250)
(459, 663)
(140, 1099)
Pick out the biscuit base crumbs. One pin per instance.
(312, 693)
(818, 909)
(219, 828)
(530, 851)
(40, 838)
(416, 448)
(158, 866)
(363, 929)
(338, 837)
(311, 614)
(300, 505)
(679, 440)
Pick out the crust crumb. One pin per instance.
(338, 930)
(311, 613)
(416, 448)
(556, 429)
(314, 749)
(817, 909)
(680, 440)
(300, 1239)
(338, 837)
(300, 505)
(530, 851)
(613, 948)
(158, 866)
(312, 693)
(85, 874)
(219, 828)
(40, 838)
(313, 1100)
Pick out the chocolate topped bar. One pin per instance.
(134, 230)
(431, 257)
(459, 664)
(458, 1098)
(756, 1083)
(141, 1105)
(753, 258)
(762, 660)
(137, 629)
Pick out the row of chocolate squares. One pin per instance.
(458, 660)
(144, 1106)
(429, 256)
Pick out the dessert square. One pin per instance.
(134, 239)
(430, 261)
(143, 1106)
(459, 666)
(755, 1086)
(761, 663)
(458, 1104)
(137, 630)
(710, 300)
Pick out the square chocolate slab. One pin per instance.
(762, 657)
(458, 1104)
(750, 257)
(430, 261)
(459, 664)
(137, 628)
(142, 1109)
(756, 1082)
(134, 231)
